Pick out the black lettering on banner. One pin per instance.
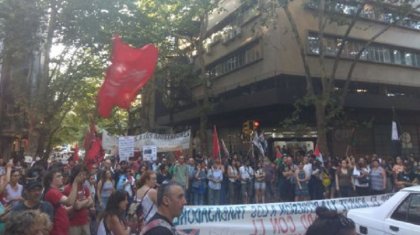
(273, 211)
(262, 211)
(254, 212)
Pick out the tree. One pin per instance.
(320, 91)
(38, 91)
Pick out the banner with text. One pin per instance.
(261, 219)
(163, 142)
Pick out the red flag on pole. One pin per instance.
(130, 70)
(216, 146)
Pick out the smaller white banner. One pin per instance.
(125, 147)
(149, 153)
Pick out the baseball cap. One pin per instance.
(33, 184)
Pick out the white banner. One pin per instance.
(259, 219)
(125, 147)
(164, 142)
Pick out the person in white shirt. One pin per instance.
(215, 178)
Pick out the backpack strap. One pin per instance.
(156, 223)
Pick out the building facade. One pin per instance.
(257, 73)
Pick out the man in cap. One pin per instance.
(32, 195)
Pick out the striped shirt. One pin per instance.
(376, 180)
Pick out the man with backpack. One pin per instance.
(170, 201)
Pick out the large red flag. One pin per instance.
(130, 70)
(216, 145)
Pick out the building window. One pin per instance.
(369, 11)
(376, 52)
(236, 60)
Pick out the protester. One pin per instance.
(13, 190)
(287, 169)
(378, 179)
(361, 177)
(79, 213)
(28, 222)
(316, 181)
(260, 184)
(234, 180)
(147, 194)
(246, 174)
(331, 223)
(215, 178)
(343, 180)
(191, 174)
(301, 185)
(105, 188)
(269, 170)
(53, 180)
(32, 194)
(180, 172)
(171, 201)
(163, 175)
(90, 183)
(199, 183)
(405, 178)
(114, 221)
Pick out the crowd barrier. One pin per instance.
(261, 219)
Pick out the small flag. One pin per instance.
(318, 154)
(225, 150)
(216, 145)
(394, 135)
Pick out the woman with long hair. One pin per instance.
(13, 190)
(113, 221)
(105, 188)
(147, 194)
(260, 184)
(301, 186)
(343, 179)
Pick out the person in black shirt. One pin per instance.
(170, 201)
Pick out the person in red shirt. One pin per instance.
(79, 213)
(52, 182)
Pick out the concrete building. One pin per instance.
(257, 74)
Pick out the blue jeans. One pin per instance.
(214, 196)
(198, 198)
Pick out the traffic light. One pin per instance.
(255, 124)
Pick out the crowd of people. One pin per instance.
(101, 198)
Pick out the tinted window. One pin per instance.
(409, 210)
(414, 210)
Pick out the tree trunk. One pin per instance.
(321, 127)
